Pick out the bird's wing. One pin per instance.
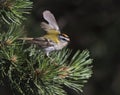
(46, 26)
(52, 24)
(42, 42)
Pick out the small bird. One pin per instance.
(53, 39)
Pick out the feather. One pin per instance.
(49, 17)
(45, 26)
(42, 42)
(26, 39)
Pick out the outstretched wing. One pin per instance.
(52, 24)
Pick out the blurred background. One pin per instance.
(92, 25)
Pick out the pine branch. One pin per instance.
(12, 11)
(29, 72)
(26, 70)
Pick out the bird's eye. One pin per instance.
(64, 38)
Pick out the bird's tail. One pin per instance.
(26, 39)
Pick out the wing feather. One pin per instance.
(42, 42)
(49, 17)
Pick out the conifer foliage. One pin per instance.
(25, 69)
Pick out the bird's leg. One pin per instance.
(47, 54)
(51, 59)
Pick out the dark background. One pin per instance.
(92, 25)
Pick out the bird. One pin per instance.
(53, 40)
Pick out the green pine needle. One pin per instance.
(12, 11)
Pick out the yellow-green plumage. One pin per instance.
(52, 35)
